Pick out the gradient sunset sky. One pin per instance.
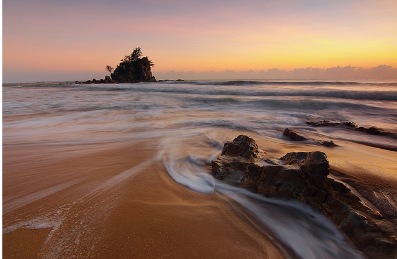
(46, 40)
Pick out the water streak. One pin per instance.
(307, 233)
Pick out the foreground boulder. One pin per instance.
(303, 176)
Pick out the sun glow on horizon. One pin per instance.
(199, 37)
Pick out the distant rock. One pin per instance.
(169, 80)
(304, 176)
(135, 71)
(133, 68)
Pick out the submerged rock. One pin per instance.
(304, 176)
(297, 136)
(372, 130)
(349, 124)
(327, 143)
(293, 135)
(323, 123)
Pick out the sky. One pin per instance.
(59, 40)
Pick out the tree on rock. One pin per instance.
(134, 56)
(134, 68)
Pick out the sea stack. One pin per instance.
(134, 69)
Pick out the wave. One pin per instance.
(285, 104)
(290, 82)
(218, 82)
(235, 90)
(307, 233)
(239, 88)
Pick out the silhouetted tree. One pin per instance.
(150, 62)
(109, 68)
(134, 56)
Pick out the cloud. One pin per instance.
(382, 72)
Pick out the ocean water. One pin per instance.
(191, 120)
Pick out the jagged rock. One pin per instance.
(293, 135)
(303, 176)
(372, 130)
(132, 69)
(323, 123)
(297, 136)
(242, 146)
(327, 143)
(349, 124)
(108, 79)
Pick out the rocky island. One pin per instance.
(133, 68)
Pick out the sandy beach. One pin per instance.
(117, 201)
(124, 205)
(123, 170)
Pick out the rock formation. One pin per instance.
(297, 136)
(132, 69)
(348, 124)
(303, 176)
(293, 135)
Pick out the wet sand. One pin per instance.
(114, 201)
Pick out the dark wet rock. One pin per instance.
(372, 130)
(135, 71)
(349, 124)
(298, 136)
(242, 146)
(304, 176)
(323, 123)
(293, 134)
(133, 68)
(327, 143)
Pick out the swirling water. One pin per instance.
(193, 119)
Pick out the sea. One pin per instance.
(191, 120)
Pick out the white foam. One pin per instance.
(308, 233)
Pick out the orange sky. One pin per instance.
(74, 40)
